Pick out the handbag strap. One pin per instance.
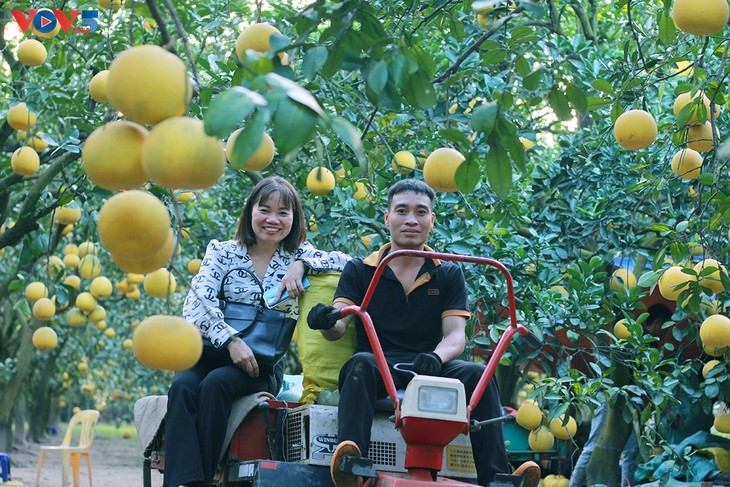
(221, 292)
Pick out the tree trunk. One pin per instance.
(603, 467)
(15, 386)
(41, 409)
(19, 414)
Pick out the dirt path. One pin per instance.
(115, 462)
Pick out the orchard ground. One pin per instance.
(115, 462)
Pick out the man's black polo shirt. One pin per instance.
(406, 323)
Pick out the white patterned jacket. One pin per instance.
(201, 304)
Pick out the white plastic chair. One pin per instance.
(72, 453)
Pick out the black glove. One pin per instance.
(322, 317)
(427, 363)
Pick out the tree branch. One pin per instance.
(160, 23)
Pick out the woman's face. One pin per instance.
(271, 219)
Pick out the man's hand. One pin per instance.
(427, 363)
(320, 317)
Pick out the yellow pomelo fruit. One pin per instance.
(340, 174)
(133, 278)
(361, 191)
(704, 17)
(635, 129)
(55, 265)
(148, 84)
(20, 117)
(160, 283)
(83, 367)
(59, 307)
(44, 309)
(669, 283)
(686, 98)
(101, 324)
(320, 181)
(31, 53)
(123, 286)
(699, 137)
(194, 265)
(312, 224)
(540, 439)
(259, 160)
(101, 287)
(75, 318)
(403, 162)
(185, 197)
(722, 423)
(529, 415)
(623, 278)
(97, 314)
(97, 87)
(89, 266)
(708, 367)
(485, 20)
(715, 331)
(67, 214)
(25, 161)
(47, 35)
(620, 330)
(179, 154)
(182, 343)
(148, 263)
(44, 338)
(86, 302)
(73, 281)
(66, 231)
(687, 164)
(527, 143)
(712, 280)
(133, 294)
(440, 167)
(35, 291)
(367, 240)
(110, 333)
(111, 4)
(255, 37)
(133, 224)
(714, 351)
(127, 344)
(86, 248)
(563, 431)
(112, 155)
(36, 143)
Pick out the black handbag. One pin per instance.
(266, 331)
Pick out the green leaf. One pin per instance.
(667, 29)
(420, 91)
(559, 103)
(249, 139)
(706, 179)
(499, 171)
(484, 117)
(350, 135)
(228, 109)
(577, 98)
(314, 59)
(468, 176)
(456, 136)
(295, 92)
(648, 279)
(378, 77)
(532, 80)
(278, 42)
(294, 125)
(522, 66)
(594, 103)
(399, 69)
(604, 86)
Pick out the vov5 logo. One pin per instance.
(46, 21)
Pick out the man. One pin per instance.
(419, 310)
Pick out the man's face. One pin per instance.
(409, 219)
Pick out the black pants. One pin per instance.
(361, 385)
(198, 406)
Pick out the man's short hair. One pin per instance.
(411, 185)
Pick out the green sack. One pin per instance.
(321, 359)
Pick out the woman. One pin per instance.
(270, 243)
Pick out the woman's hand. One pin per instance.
(242, 356)
(292, 281)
